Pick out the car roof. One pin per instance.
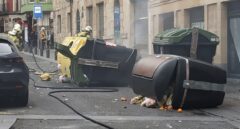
(4, 36)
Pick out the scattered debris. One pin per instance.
(111, 44)
(137, 100)
(45, 77)
(180, 110)
(166, 102)
(161, 108)
(64, 79)
(32, 70)
(149, 102)
(169, 126)
(124, 107)
(123, 99)
(170, 107)
(147, 126)
(115, 100)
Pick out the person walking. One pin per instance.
(43, 37)
(33, 37)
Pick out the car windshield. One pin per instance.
(5, 49)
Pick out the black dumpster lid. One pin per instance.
(174, 36)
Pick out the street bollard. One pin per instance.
(35, 51)
(41, 51)
(30, 49)
(48, 53)
(55, 55)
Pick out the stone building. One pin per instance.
(68, 16)
(221, 17)
(124, 22)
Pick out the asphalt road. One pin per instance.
(45, 112)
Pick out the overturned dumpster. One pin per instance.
(194, 84)
(94, 62)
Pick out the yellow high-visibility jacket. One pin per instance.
(15, 40)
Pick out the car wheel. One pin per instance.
(22, 99)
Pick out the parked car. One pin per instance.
(14, 73)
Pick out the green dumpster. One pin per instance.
(97, 63)
(180, 41)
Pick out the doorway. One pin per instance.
(234, 40)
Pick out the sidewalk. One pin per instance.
(51, 58)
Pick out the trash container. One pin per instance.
(95, 63)
(204, 82)
(180, 42)
(106, 65)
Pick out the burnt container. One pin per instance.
(153, 79)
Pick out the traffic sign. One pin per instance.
(37, 11)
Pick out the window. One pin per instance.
(17, 9)
(89, 16)
(69, 22)
(5, 48)
(197, 17)
(100, 20)
(117, 20)
(59, 24)
(78, 21)
(168, 21)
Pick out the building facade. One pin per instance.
(123, 22)
(9, 14)
(218, 16)
(67, 16)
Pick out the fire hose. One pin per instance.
(72, 90)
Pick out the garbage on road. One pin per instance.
(123, 99)
(64, 79)
(45, 77)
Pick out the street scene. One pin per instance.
(119, 64)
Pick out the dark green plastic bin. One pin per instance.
(178, 42)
